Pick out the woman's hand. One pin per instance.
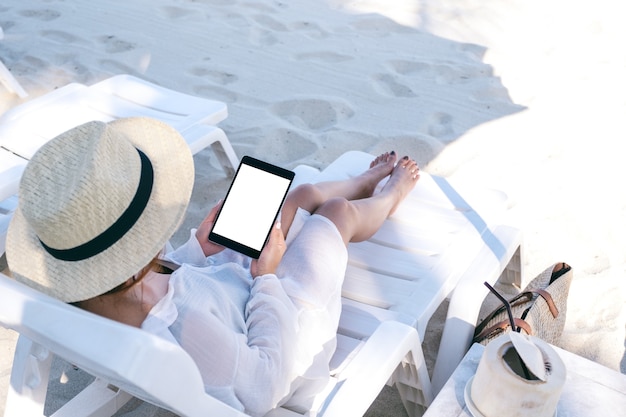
(271, 255)
(202, 234)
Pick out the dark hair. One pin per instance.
(135, 279)
(153, 265)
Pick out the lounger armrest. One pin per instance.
(370, 369)
(462, 315)
(40, 101)
(134, 360)
(199, 109)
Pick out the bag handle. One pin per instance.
(559, 270)
(501, 327)
(546, 296)
(518, 299)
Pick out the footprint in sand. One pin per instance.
(264, 33)
(389, 85)
(326, 57)
(220, 77)
(262, 37)
(404, 67)
(282, 146)
(173, 12)
(267, 27)
(462, 73)
(262, 7)
(310, 29)
(312, 114)
(421, 147)
(59, 36)
(441, 73)
(31, 65)
(270, 23)
(216, 93)
(236, 20)
(440, 126)
(338, 141)
(116, 45)
(44, 15)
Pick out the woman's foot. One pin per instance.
(379, 168)
(384, 159)
(402, 180)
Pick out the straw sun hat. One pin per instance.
(96, 204)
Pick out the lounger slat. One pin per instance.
(144, 94)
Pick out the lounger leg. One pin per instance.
(413, 383)
(199, 136)
(512, 274)
(225, 155)
(29, 385)
(99, 399)
(10, 82)
(29, 379)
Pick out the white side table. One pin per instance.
(590, 389)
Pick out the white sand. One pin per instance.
(520, 95)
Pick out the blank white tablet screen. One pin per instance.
(251, 206)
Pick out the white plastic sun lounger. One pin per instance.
(8, 80)
(25, 128)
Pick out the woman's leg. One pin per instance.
(358, 220)
(311, 196)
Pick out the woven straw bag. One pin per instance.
(539, 310)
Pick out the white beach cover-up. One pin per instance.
(264, 342)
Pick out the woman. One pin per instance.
(98, 205)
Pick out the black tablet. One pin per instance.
(251, 206)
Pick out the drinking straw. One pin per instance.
(506, 304)
(512, 321)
